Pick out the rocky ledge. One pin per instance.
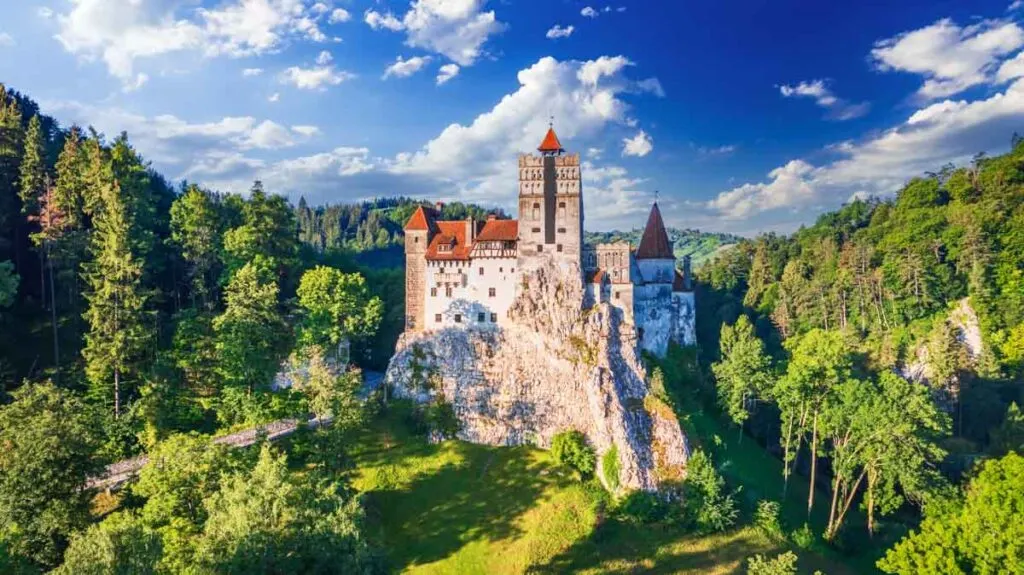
(555, 367)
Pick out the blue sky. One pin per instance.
(747, 116)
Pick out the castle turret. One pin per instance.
(550, 205)
(654, 256)
(419, 230)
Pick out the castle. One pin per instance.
(466, 273)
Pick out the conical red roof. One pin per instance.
(654, 244)
(550, 143)
(421, 220)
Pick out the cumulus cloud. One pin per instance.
(942, 132)
(838, 108)
(589, 12)
(456, 29)
(405, 68)
(6, 40)
(557, 31)
(274, 97)
(447, 72)
(252, 72)
(308, 131)
(315, 77)
(950, 58)
(639, 145)
(324, 58)
(121, 32)
(339, 15)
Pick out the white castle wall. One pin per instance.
(470, 295)
(654, 316)
(657, 271)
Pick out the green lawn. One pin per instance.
(455, 507)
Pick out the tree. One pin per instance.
(268, 230)
(195, 228)
(11, 135)
(782, 564)
(981, 533)
(744, 372)
(708, 507)
(119, 545)
(251, 337)
(266, 522)
(8, 284)
(49, 441)
(1009, 436)
(337, 306)
(570, 448)
(820, 361)
(33, 180)
(116, 315)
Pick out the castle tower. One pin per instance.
(550, 205)
(419, 230)
(654, 256)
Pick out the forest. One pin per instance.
(854, 400)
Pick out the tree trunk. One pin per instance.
(832, 509)
(846, 507)
(117, 393)
(871, 504)
(53, 319)
(814, 463)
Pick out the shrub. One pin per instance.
(641, 508)
(610, 467)
(782, 564)
(441, 419)
(766, 519)
(570, 448)
(803, 537)
(706, 504)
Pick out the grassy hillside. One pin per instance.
(455, 507)
(700, 246)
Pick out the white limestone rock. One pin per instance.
(553, 367)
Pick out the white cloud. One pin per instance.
(314, 78)
(324, 58)
(838, 108)
(376, 20)
(557, 31)
(45, 12)
(950, 58)
(308, 131)
(620, 9)
(274, 97)
(639, 145)
(1010, 69)
(594, 153)
(405, 68)
(252, 72)
(134, 85)
(447, 72)
(339, 15)
(651, 85)
(725, 150)
(456, 29)
(121, 32)
(588, 12)
(6, 39)
(943, 132)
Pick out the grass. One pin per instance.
(455, 507)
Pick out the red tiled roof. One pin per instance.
(422, 220)
(596, 276)
(499, 231)
(550, 143)
(453, 233)
(654, 243)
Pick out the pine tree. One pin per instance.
(195, 228)
(116, 313)
(11, 135)
(33, 182)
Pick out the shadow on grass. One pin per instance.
(479, 498)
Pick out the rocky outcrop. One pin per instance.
(553, 367)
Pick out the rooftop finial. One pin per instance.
(656, 196)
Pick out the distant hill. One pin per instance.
(700, 246)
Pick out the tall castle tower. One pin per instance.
(550, 205)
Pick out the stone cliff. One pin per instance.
(554, 367)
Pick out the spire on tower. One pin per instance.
(550, 145)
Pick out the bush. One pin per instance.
(441, 419)
(642, 508)
(803, 537)
(766, 519)
(570, 448)
(707, 507)
(783, 564)
(610, 467)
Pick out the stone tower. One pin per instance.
(550, 205)
(418, 233)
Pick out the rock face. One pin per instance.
(554, 367)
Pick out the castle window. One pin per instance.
(480, 317)
(501, 270)
(416, 240)
(481, 271)
(433, 292)
(558, 248)
(513, 270)
(561, 210)
(447, 292)
(616, 295)
(491, 292)
(561, 230)
(458, 318)
(536, 230)
(437, 318)
(536, 211)
(540, 248)
(494, 318)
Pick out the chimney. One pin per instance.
(492, 216)
(439, 206)
(687, 274)
(470, 230)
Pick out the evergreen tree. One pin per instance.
(33, 182)
(11, 135)
(195, 229)
(116, 315)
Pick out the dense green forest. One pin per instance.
(853, 402)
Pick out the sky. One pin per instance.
(743, 117)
